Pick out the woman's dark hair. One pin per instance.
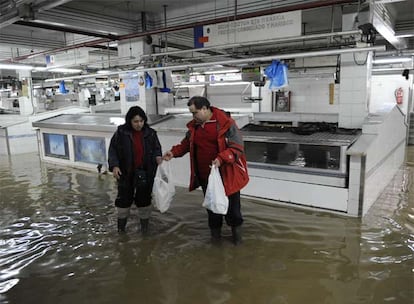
(134, 111)
(199, 102)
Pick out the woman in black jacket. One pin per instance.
(133, 156)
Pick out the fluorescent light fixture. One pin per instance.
(40, 69)
(388, 69)
(391, 60)
(222, 71)
(116, 120)
(404, 35)
(388, 1)
(15, 67)
(190, 85)
(230, 83)
(65, 70)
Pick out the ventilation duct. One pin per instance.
(375, 16)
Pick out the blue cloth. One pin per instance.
(164, 89)
(277, 73)
(148, 81)
(62, 88)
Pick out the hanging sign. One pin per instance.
(253, 29)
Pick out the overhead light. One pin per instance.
(391, 60)
(388, 1)
(191, 85)
(15, 67)
(222, 71)
(404, 35)
(40, 69)
(388, 69)
(229, 83)
(65, 70)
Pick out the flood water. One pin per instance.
(58, 244)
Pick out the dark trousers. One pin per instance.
(233, 217)
(129, 193)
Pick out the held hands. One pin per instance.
(168, 156)
(117, 172)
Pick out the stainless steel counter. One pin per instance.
(318, 138)
(90, 122)
(179, 122)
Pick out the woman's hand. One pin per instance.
(116, 172)
(158, 159)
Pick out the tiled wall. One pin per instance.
(311, 95)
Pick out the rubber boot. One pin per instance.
(215, 234)
(236, 234)
(144, 225)
(122, 224)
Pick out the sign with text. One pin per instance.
(253, 29)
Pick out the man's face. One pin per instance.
(199, 115)
(137, 123)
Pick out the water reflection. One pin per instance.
(58, 244)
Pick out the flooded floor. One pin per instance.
(58, 244)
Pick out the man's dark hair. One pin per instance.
(134, 111)
(199, 102)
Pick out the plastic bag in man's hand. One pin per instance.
(163, 190)
(215, 198)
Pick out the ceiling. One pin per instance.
(32, 29)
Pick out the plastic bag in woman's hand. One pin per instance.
(215, 198)
(163, 190)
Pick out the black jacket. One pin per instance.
(121, 151)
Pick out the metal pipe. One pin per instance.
(49, 5)
(301, 6)
(286, 39)
(165, 26)
(236, 61)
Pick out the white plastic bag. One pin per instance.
(163, 190)
(215, 198)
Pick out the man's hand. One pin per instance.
(216, 162)
(116, 172)
(168, 155)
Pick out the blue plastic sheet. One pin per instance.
(148, 81)
(277, 74)
(62, 88)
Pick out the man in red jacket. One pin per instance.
(213, 138)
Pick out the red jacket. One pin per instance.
(233, 167)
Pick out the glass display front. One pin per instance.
(293, 154)
(89, 149)
(56, 145)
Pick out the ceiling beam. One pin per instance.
(301, 6)
(66, 29)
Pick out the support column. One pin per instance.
(355, 83)
(27, 104)
(355, 87)
(132, 88)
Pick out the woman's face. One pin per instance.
(137, 123)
